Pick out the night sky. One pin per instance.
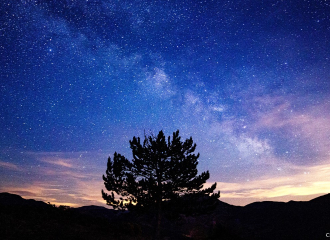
(249, 80)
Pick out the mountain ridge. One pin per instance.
(258, 220)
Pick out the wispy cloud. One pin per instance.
(58, 161)
(72, 188)
(9, 166)
(305, 181)
(58, 177)
(308, 126)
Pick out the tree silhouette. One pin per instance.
(161, 173)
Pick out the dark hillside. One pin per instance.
(30, 219)
(278, 220)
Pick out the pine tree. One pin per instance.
(161, 172)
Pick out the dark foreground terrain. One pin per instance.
(30, 219)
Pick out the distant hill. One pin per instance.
(30, 219)
(279, 220)
(8, 199)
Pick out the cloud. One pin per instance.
(72, 187)
(41, 191)
(57, 161)
(303, 129)
(62, 178)
(300, 181)
(9, 166)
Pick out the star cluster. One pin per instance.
(248, 80)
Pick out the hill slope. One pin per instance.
(30, 219)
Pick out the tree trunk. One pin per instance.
(158, 205)
(158, 221)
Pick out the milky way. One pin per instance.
(248, 80)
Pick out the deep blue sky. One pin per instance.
(248, 80)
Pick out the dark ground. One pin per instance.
(30, 219)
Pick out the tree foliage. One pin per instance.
(161, 172)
